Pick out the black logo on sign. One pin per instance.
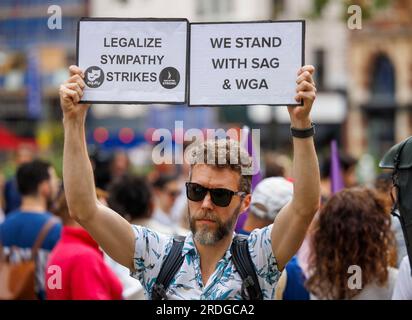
(169, 78)
(94, 77)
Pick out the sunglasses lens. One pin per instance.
(195, 192)
(221, 197)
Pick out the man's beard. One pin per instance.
(207, 235)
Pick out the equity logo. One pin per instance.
(94, 77)
(169, 78)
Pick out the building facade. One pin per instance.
(37, 42)
(380, 81)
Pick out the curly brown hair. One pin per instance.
(352, 228)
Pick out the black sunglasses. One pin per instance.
(220, 196)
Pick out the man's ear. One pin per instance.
(246, 202)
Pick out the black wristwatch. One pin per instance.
(303, 133)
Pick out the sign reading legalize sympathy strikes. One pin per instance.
(133, 60)
(245, 63)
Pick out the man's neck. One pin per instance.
(33, 204)
(210, 256)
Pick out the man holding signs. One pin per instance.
(217, 193)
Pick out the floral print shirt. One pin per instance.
(151, 248)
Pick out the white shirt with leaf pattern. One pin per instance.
(151, 248)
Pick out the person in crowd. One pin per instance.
(403, 285)
(166, 189)
(218, 189)
(38, 185)
(348, 169)
(12, 197)
(268, 198)
(132, 197)
(84, 274)
(276, 165)
(119, 164)
(350, 248)
(383, 186)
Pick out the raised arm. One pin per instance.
(292, 222)
(113, 233)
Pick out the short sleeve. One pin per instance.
(150, 250)
(260, 248)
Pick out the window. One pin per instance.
(319, 61)
(213, 9)
(383, 81)
(278, 7)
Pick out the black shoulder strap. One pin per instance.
(244, 265)
(395, 201)
(169, 268)
(395, 182)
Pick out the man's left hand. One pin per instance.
(306, 91)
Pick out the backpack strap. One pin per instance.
(397, 162)
(42, 235)
(245, 266)
(395, 199)
(169, 268)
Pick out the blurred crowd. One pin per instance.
(353, 230)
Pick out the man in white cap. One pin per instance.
(269, 196)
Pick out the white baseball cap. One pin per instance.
(273, 194)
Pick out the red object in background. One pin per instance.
(100, 135)
(148, 135)
(126, 135)
(10, 141)
(83, 271)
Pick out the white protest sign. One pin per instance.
(133, 60)
(245, 63)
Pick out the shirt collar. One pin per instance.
(189, 245)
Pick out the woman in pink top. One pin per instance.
(76, 269)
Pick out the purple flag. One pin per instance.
(336, 179)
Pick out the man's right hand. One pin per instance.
(70, 94)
